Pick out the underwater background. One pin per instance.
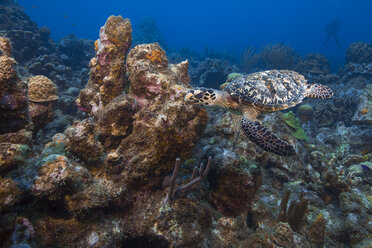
(223, 26)
(104, 142)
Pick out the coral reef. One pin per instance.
(9, 194)
(359, 53)
(41, 92)
(107, 76)
(28, 44)
(180, 190)
(75, 52)
(339, 108)
(11, 156)
(7, 72)
(314, 64)
(363, 115)
(41, 89)
(165, 127)
(316, 231)
(56, 174)
(82, 142)
(295, 213)
(250, 60)
(13, 99)
(28, 41)
(211, 72)
(279, 56)
(102, 176)
(5, 47)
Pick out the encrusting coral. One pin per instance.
(5, 47)
(9, 194)
(55, 174)
(316, 231)
(107, 69)
(82, 142)
(164, 126)
(13, 100)
(11, 155)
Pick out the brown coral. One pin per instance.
(7, 70)
(146, 65)
(11, 155)
(155, 56)
(234, 189)
(60, 231)
(115, 121)
(52, 176)
(81, 141)
(9, 193)
(41, 113)
(107, 68)
(5, 47)
(42, 89)
(316, 231)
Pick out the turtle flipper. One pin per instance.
(265, 139)
(318, 91)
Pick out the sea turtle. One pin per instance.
(266, 91)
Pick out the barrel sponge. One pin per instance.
(5, 47)
(41, 89)
(7, 70)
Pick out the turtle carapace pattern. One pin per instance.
(268, 91)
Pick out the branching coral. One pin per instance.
(180, 190)
(279, 56)
(250, 60)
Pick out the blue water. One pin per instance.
(221, 25)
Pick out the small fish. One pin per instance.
(34, 6)
(366, 168)
(73, 25)
(65, 16)
(364, 111)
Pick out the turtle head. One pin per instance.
(202, 96)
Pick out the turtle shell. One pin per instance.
(269, 90)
